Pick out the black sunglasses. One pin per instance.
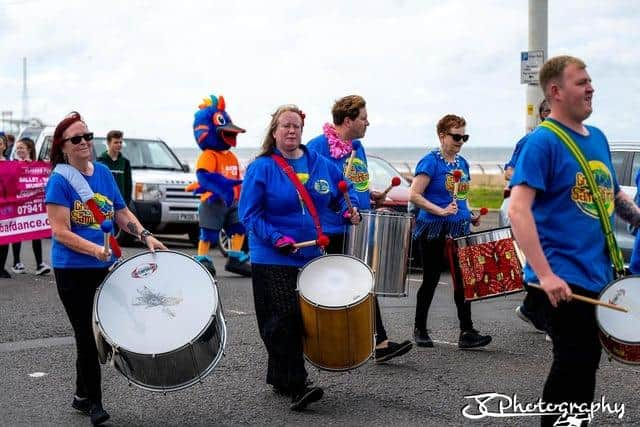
(457, 137)
(75, 140)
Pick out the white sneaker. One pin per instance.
(19, 268)
(43, 268)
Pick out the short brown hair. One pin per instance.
(114, 134)
(449, 122)
(349, 106)
(551, 71)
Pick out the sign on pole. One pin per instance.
(530, 64)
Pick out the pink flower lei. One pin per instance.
(338, 148)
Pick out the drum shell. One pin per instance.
(173, 370)
(628, 353)
(383, 241)
(338, 339)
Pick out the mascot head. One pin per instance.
(212, 126)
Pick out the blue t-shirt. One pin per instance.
(106, 195)
(440, 192)
(358, 175)
(566, 218)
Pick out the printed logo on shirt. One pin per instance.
(582, 196)
(357, 174)
(463, 185)
(303, 177)
(321, 186)
(81, 215)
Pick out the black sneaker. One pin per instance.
(234, 265)
(525, 315)
(283, 390)
(4, 274)
(98, 414)
(308, 395)
(422, 338)
(473, 339)
(392, 350)
(82, 405)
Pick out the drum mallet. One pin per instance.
(107, 228)
(354, 146)
(588, 300)
(344, 189)
(323, 241)
(395, 181)
(457, 176)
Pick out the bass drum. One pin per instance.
(158, 318)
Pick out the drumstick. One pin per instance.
(457, 175)
(323, 241)
(350, 162)
(395, 181)
(589, 300)
(344, 188)
(107, 228)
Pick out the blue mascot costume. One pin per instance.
(218, 185)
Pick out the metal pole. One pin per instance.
(538, 40)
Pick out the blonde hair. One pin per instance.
(551, 71)
(269, 142)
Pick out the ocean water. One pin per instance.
(486, 158)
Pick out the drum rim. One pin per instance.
(372, 212)
(341, 307)
(111, 342)
(597, 310)
(484, 232)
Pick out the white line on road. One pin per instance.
(37, 343)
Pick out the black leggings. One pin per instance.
(433, 262)
(77, 288)
(15, 247)
(337, 246)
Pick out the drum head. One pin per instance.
(335, 281)
(621, 326)
(155, 303)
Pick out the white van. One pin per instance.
(158, 198)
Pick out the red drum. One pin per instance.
(485, 264)
(619, 332)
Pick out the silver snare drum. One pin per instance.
(383, 241)
(159, 319)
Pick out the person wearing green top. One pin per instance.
(118, 164)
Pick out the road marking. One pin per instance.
(6, 347)
(37, 374)
(235, 312)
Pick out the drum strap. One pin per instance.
(614, 251)
(302, 191)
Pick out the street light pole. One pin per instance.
(538, 40)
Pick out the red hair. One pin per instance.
(56, 155)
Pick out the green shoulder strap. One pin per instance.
(605, 222)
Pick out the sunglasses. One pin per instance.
(75, 140)
(457, 137)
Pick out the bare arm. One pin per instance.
(128, 222)
(418, 185)
(61, 229)
(627, 209)
(526, 233)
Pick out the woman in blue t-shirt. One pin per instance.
(440, 188)
(80, 262)
(277, 216)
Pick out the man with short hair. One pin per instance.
(118, 164)
(337, 143)
(556, 224)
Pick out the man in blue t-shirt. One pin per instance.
(556, 224)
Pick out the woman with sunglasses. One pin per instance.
(79, 195)
(440, 188)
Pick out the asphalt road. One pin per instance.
(424, 387)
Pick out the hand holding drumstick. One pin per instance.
(457, 176)
(351, 212)
(475, 220)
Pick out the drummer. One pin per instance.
(340, 143)
(444, 211)
(80, 261)
(278, 211)
(560, 233)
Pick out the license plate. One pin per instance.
(187, 217)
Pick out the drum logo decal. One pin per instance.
(144, 270)
(620, 293)
(150, 298)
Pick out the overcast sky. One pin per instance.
(144, 66)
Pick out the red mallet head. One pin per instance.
(484, 211)
(457, 175)
(395, 181)
(323, 240)
(343, 186)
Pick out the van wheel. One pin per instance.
(224, 243)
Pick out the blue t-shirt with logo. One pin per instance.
(564, 212)
(440, 192)
(108, 199)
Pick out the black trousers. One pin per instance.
(433, 262)
(76, 288)
(573, 328)
(337, 246)
(280, 324)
